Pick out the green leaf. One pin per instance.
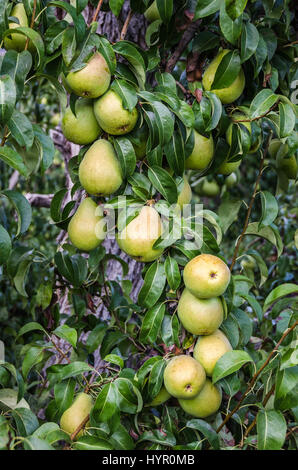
(151, 323)
(250, 298)
(155, 380)
(69, 45)
(127, 93)
(106, 404)
(34, 443)
(204, 41)
(146, 368)
(13, 159)
(165, 9)
(67, 333)
(206, 7)
(134, 57)
(271, 430)
(7, 98)
(17, 66)
(126, 155)
(153, 286)
(78, 19)
(278, 292)
(172, 272)
(46, 147)
(163, 183)
(33, 356)
(227, 71)
(268, 232)
(92, 443)
(22, 207)
(116, 6)
(175, 155)
(74, 369)
(287, 119)
(36, 39)
(31, 326)
(21, 276)
(114, 359)
(207, 431)
(26, 421)
(21, 129)
(262, 102)
(286, 392)
(249, 41)
(230, 362)
(269, 208)
(230, 29)
(235, 7)
(5, 245)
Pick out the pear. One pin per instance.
(285, 162)
(202, 153)
(111, 115)
(152, 13)
(185, 194)
(17, 41)
(76, 413)
(206, 276)
(138, 237)
(210, 348)
(231, 180)
(184, 377)
(100, 171)
(226, 168)
(93, 80)
(200, 316)
(83, 127)
(229, 94)
(86, 229)
(206, 403)
(209, 188)
(162, 396)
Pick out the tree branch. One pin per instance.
(32, 23)
(184, 41)
(125, 26)
(94, 18)
(39, 200)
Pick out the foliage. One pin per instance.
(52, 354)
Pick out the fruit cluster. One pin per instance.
(200, 311)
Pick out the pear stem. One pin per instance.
(32, 23)
(94, 17)
(251, 203)
(125, 26)
(79, 428)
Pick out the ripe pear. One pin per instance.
(231, 180)
(138, 237)
(202, 153)
(206, 276)
(209, 188)
(185, 194)
(200, 316)
(86, 228)
(111, 115)
(210, 348)
(93, 80)
(17, 41)
(184, 377)
(152, 13)
(100, 171)
(289, 166)
(76, 413)
(226, 168)
(229, 94)
(83, 127)
(206, 403)
(162, 396)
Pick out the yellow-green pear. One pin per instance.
(231, 180)
(184, 377)
(17, 41)
(138, 237)
(93, 80)
(185, 194)
(111, 115)
(202, 153)
(162, 396)
(285, 162)
(206, 403)
(226, 168)
(83, 127)
(206, 276)
(210, 348)
(76, 413)
(229, 94)
(209, 188)
(152, 13)
(100, 171)
(200, 316)
(86, 228)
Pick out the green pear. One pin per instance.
(83, 127)
(100, 171)
(162, 396)
(206, 276)
(17, 41)
(184, 377)
(111, 115)
(138, 138)
(200, 316)
(93, 80)
(229, 94)
(138, 237)
(210, 348)
(185, 194)
(209, 188)
(206, 403)
(86, 228)
(76, 413)
(202, 153)
(152, 13)
(285, 162)
(231, 180)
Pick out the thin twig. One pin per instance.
(125, 26)
(254, 379)
(4, 137)
(250, 204)
(184, 41)
(32, 23)
(79, 428)
(94, 17)
(256, 118)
